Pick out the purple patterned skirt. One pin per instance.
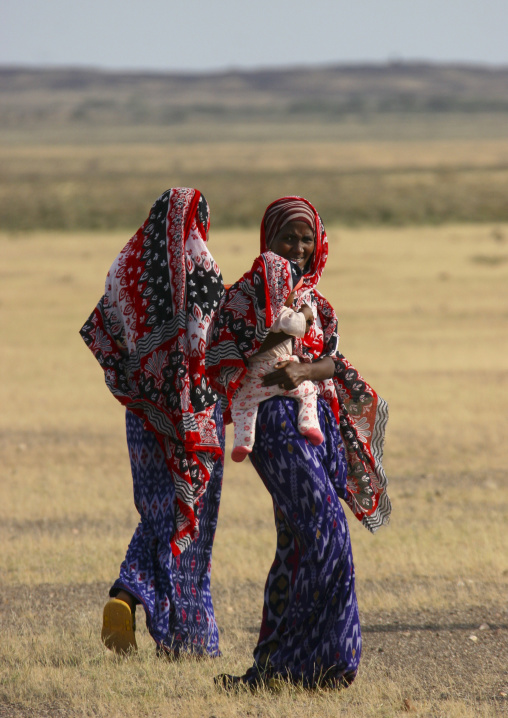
(310, 630)
(173, 590)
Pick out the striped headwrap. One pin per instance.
(296, 209)
(285, 210)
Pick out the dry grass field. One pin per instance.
(378, 169)
(424, 316)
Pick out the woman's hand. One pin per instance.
(290, 374)
(287, 374)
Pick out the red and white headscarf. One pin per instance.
(149, 331)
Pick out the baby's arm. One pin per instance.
(290, 322)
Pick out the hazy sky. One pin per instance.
(211, 35)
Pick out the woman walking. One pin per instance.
(148, 333)
(310, 630)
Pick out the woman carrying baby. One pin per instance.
(310, 632)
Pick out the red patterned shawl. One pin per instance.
(148, 332)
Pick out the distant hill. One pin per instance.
(32, 97)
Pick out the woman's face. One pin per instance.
(295, 241)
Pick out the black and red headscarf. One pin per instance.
(149, 331)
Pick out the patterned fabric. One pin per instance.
(360, 412)
(173, 589)
(285, 210)
(244, 408)
(310, 628)
(148, 332)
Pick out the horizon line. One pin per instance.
(232, 69)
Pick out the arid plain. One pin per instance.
(423, 315)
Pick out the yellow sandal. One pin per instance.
(118, 627)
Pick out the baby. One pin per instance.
(244, 405)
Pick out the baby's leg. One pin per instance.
(244, 407)
(244, 420)
(308, 423)
(244, 411)
(306, 396)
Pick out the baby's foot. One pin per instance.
(314, 436)
(240, 452)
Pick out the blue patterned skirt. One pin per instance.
(310, 630)
(173, 590)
